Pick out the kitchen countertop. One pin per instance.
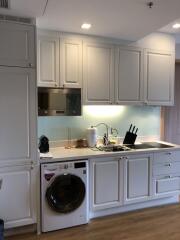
(63, 154)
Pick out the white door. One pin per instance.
(18, 141)
(98, 73)
(17, 195)
(129, 75)
(70, 63)
(159, 77)
(105, 183)
(17, 45)
(138, 178)
(48, 60)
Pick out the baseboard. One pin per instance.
(133, 207)
(21, 230)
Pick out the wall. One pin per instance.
(147, 119)
(159, 41)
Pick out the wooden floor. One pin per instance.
(162, 223)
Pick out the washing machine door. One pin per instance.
(66, 193)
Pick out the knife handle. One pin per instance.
(136, 130)
(133, 129)
(130, 127)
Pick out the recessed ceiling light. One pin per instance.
(86, 26)
(176, 25)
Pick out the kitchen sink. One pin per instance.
(113, 148)
(147, 145)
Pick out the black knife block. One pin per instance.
(130, 138)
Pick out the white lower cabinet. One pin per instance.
(166, 174)
(137, 178)
(106, 183)
(167, 184)
(18, 195)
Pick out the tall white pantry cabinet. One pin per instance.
(18, 142)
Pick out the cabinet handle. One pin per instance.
(32, 167)
(1, 182)
(125, 157)
(167, 176)
(168, 153)
(120, 158)
(30, 64)
(168, 165)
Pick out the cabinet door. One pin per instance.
(17, 45)
(98, 76)
(129, 75)
(48, 60)
(70, 63)
(159, 77)
(17, 195)
(138, 178)
(105, 183)
(18, 141)
(166, 185)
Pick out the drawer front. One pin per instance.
(166, 168)
(168, 185)
(166, 157)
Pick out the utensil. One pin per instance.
(130, 136)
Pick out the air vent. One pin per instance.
(4, 4)
(16, 19)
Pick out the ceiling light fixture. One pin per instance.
(150, 4)
(176, 25)
(86, 26)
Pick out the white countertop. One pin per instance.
(63, 154)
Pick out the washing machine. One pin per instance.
(64, 194)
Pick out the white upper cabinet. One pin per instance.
(59, 60)
(159, 77)
(98, 73)
(70, 63)
(17, 45)
(107, 72)
(48, 60)
(18, 115)
(129, 75)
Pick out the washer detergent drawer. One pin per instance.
(167, 185)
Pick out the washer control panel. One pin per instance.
(67, 165)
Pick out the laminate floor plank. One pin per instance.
(160, 223)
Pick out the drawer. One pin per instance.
(168, 185)
(166, 157)
(166, 168)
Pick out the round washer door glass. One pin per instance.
(66, 193)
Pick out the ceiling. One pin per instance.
(122, 19)
(168, 29)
